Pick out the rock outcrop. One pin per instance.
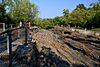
(60, 47)
(57, 47)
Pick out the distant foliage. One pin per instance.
(17, 10)
(81, 16)
(4, 7)
(23, 10)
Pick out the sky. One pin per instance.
(53, 8)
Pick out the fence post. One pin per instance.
(9, 47)
(26, 35)
(4, 26)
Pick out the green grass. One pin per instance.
(96, 30)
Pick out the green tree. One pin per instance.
(4, 7)
(95, 5)
(23, 10)
(79, 16)
(80, 6)
(65, 12)
(94, 21)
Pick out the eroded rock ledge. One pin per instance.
(74, 49)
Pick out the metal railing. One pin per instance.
(10, 36)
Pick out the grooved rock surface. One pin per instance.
(60, 47)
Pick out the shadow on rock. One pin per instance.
(47, 58)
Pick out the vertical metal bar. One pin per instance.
(9, 47)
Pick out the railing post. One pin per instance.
(9, 47)
(26, 35)
(4, 26)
